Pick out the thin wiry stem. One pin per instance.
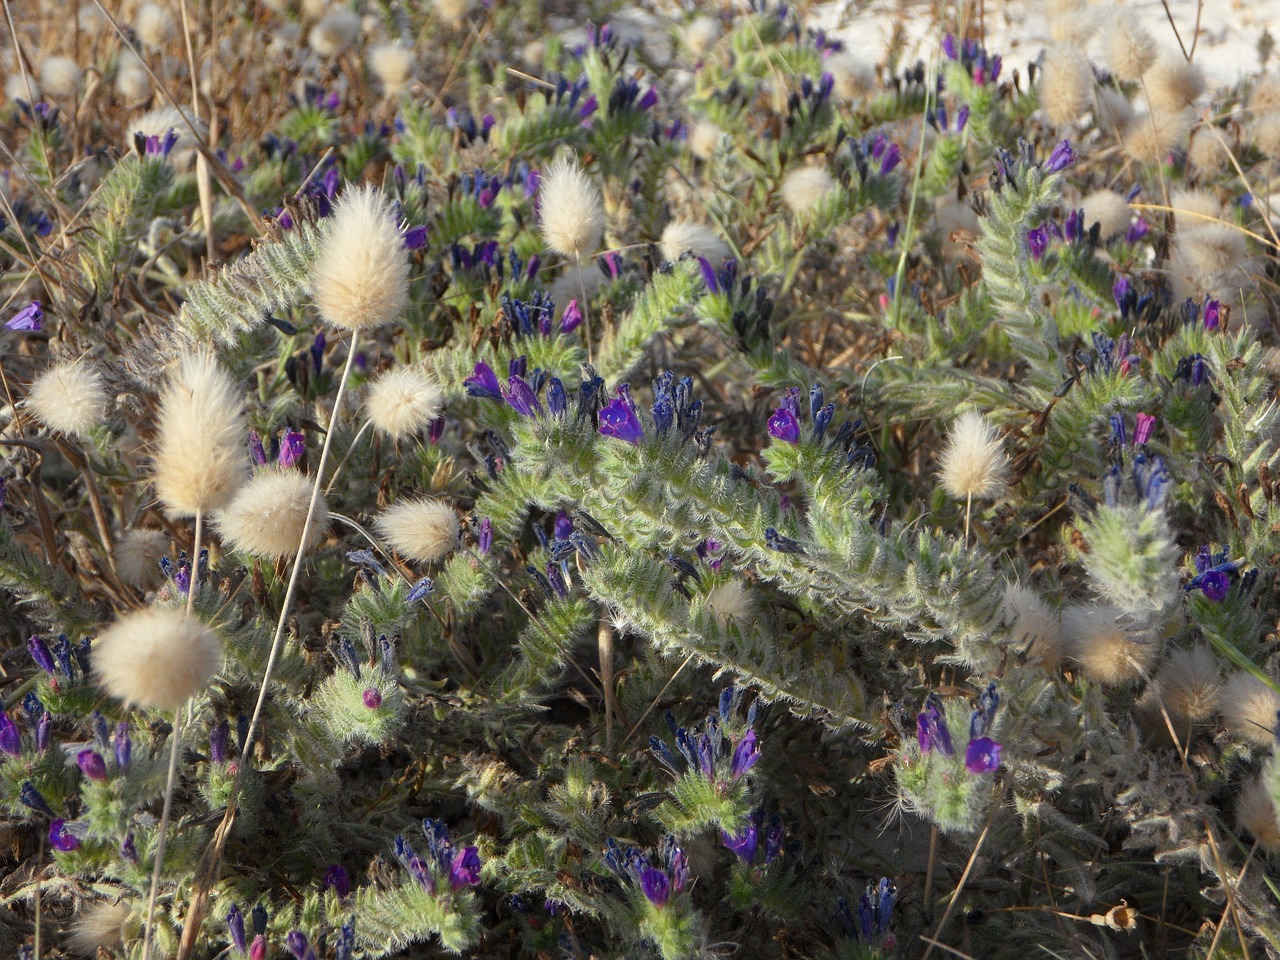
(172, 777)
(208, 871)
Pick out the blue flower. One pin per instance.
(982, 755)
(420, 590)
(1061, 157)
(235, 927)
(483, 382)
(784, 426)
(745, 755)
(742, 844)
(656, 886)
(28, 318)
(618, 418)
(931, 728)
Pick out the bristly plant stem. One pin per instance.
(207, 874)
(175, 739)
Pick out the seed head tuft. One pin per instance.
(1249, 708)
(1108, 209)
(1256, 814)
(1108, 647)
(70, 398)
(361, 276)
(1127, 48)
(200, 458)
(157, 657)
(403, 401)
(267, 516)
(973, 465)
(682, 235)
(1173, 83)
(805, 188)
(571, 209)
(423, 530)
(1065, 84)
(138, 555)
(335, 33)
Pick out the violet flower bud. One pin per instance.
(91, 764)
(1061, 157)
(10, 736)
(372, 697)
(745, 755)
(338, 880)
(41, 654)
(123, 747)
(1143, 429)
(43, 727)
(484, 540)
(1212, 315)
(296, 942)
(521, 398)
(235, 927)
(571, 319)
(256, 451)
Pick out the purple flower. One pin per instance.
(1038, 241)
(571, 318)
(28, 318)
(218, 738)
(483, 383)
(656, 886)
(484, 539)
(91, 764)
(317, 351)
(292, 447)
(745, 755)
(464, 871)
(962, 118)
(297, 943)
(415, 238)
(1061, 157)
(982, 755)
(891, 158)
(743, 844)
(1143, 428)
(372, 698)
(43, 726)
(521, 398)
(40, 653)
(420, 590)
(784, 426)
(337, 880)
(10, 737)
(563, 527)
(949, 46)
(1215, 584)
(1212, 315)
(435, 430)
(931, 728)
(618, 418)
(1137, 230)
(256, 451)
(128, 852)
(60, 838)
(123, 747)
(235, 927)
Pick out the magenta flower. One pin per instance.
(982, 755)
(372, 698)
(1143, 429)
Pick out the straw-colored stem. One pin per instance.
(162, 834)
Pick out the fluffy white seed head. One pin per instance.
(1127, 49)
(16, 88)
(200, 458)
(804, 188)
(266, 517)
(680, 236)
(1108, 209)
(1113, 111)
(1108, 649)
(69, 397)
(1066, 84)
(704, 137)
(854, 78)
(731, 601)
(1033, 626)
(132, 81)
(1190, 684)
(1208, 154)
(361, 277)
(1264, 98)
(1069, 23)
(59, 77)
(1256, 814)
(1173, 83)
(154, 25)
(100, 926)
(1150, 137)
(394, 65)
(452, 12)
(1265, 132)
(423, 530)
(137, 557)
(973, 464)
(1249, 708)
(571, 209)
(157, 657)
(335, 33)
(701, 34)
(1194, 209)
(403, 401)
